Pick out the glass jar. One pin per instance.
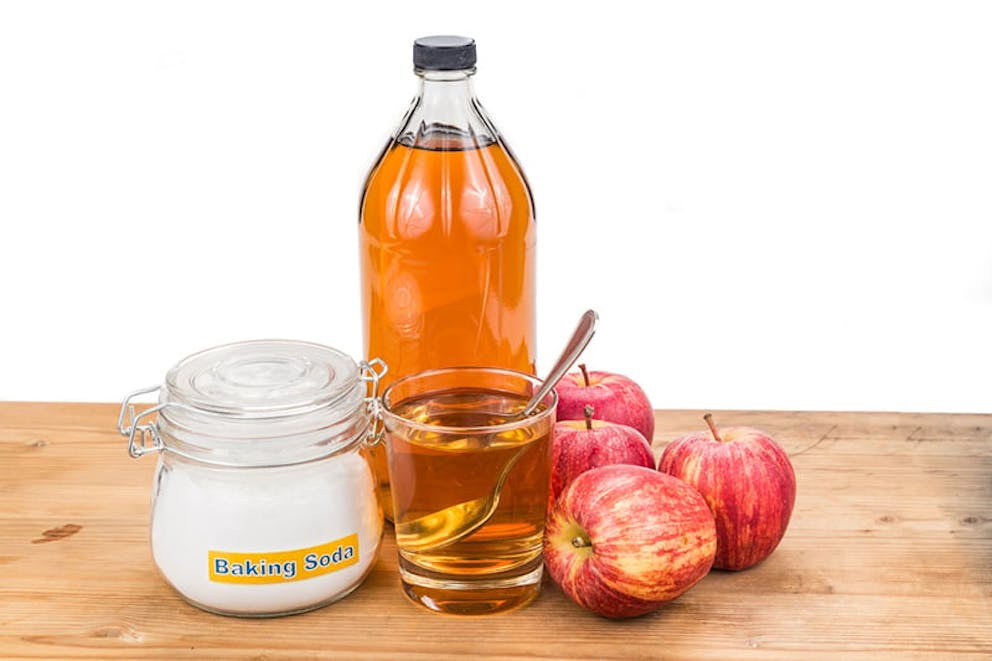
(264, 501)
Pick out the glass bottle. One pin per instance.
(447, 233)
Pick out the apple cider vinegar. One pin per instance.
(447, 250)
(470, 493)
(447, 235)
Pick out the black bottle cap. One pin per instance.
(444, 53)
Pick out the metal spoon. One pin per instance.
(447, 526)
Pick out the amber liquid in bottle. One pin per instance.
(447, 257)
(447, 249)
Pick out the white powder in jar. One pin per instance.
(265, 541)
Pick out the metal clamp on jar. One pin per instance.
(264, 501)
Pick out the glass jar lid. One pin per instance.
(258, 403)
(261, 379)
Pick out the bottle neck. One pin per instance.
(446, 113)
(446, 87)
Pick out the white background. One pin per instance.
(772, 205)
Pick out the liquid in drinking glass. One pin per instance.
(448, 448)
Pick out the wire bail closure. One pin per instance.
(127, 425)
(372, 372)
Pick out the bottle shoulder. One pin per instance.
(417, 190)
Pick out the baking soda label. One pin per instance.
(283, 566)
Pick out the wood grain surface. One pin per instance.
(889, 554)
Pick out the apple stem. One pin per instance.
(587, 411)
(580, 542)
(709, 421)
(585, 374)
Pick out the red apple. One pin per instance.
(615, 397)
(748, 482)
(622, 540)
(581, 445)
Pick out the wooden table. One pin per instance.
(889, 554)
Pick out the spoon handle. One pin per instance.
(580, 339)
